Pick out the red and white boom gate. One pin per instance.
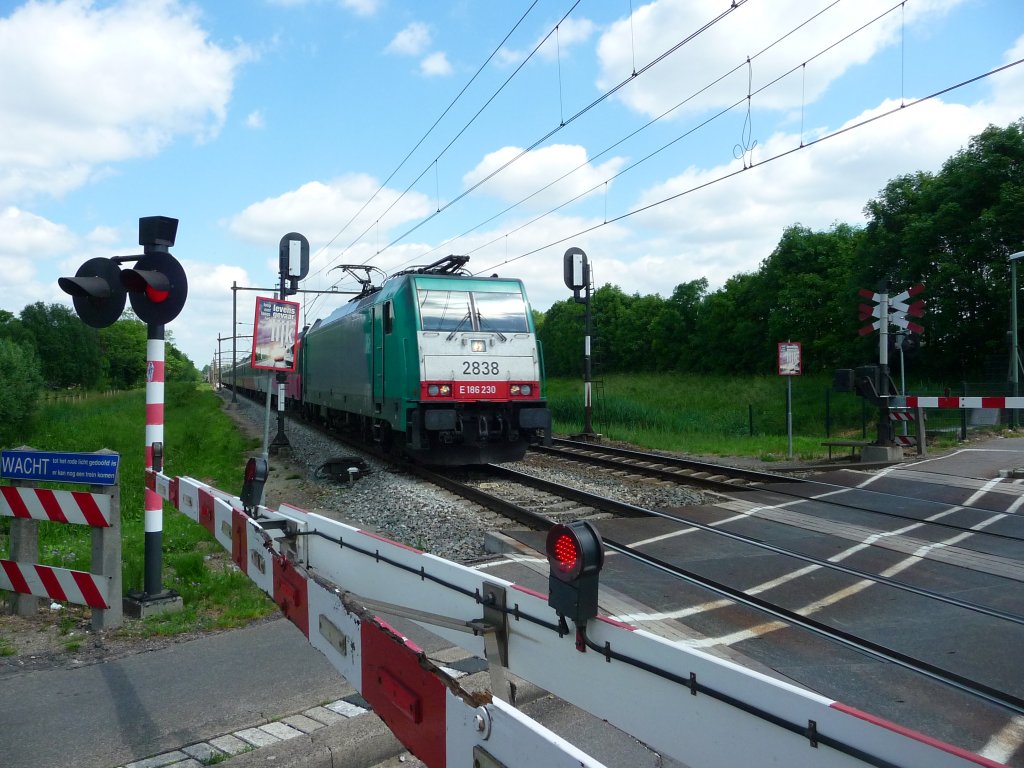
(329, 579)
(960, 402)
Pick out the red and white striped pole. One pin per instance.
(154, 505)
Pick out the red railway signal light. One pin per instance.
(157, 287)
(576, 554)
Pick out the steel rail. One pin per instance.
(821, 629)
(587, 456)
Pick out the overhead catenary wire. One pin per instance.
(765, 161)
(631, 135)
(734, 5)
(421, 140)
(743, 100)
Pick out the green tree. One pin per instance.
(674, 327)
(953, 231)
(124, 353)
(178, 367)
(69, 351)
(811, 279)
(20, 383)
(561, 336)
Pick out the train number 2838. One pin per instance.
(479, 368)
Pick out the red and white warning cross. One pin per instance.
(897, 307)
(699, 709)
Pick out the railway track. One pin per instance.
(669, 468)
(500, 489)
(729, 480)
(718, 607)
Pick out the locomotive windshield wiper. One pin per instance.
(480, 324)
(458, 327)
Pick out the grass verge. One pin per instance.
(200, 441)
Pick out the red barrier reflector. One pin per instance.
(291, 593)
(405, 692)
(206, 516)
(238, 540)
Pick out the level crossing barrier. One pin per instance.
(98, 508)
(334, 582)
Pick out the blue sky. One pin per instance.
(393, 132)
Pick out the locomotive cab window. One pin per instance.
(388, 317)
(454, 311)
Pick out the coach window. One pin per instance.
(389, 317)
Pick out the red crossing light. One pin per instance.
(255, 478)
(576, 554)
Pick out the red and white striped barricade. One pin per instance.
(99, 589)
(704, 711)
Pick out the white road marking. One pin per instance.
(1004, 744)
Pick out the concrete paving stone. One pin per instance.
(324, 715)
(280, 731)
(190, 763)
(256, 737)
(232, 745)
(202, 751)
(159, 761)
(345, 709)
(303, 723)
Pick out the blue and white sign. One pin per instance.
(88, 468)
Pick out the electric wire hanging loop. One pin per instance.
(745, 148)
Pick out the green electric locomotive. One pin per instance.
(435, 362)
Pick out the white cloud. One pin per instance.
(358, 7)
(571, 32)
(538, 168)
(33, 250)
(493, 252)
(730, 226)
(435, 65)
(82, 86)
(655, 28)
(254, 120)
(319, 210)
(411, 41)
(208, 311)
(362, 7)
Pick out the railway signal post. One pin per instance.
(577, 278)
(157, 288)
(895, 310)
(293, 263)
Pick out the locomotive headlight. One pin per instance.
(520, 390)
(433, 390)
(478, 345)
(439, 390)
